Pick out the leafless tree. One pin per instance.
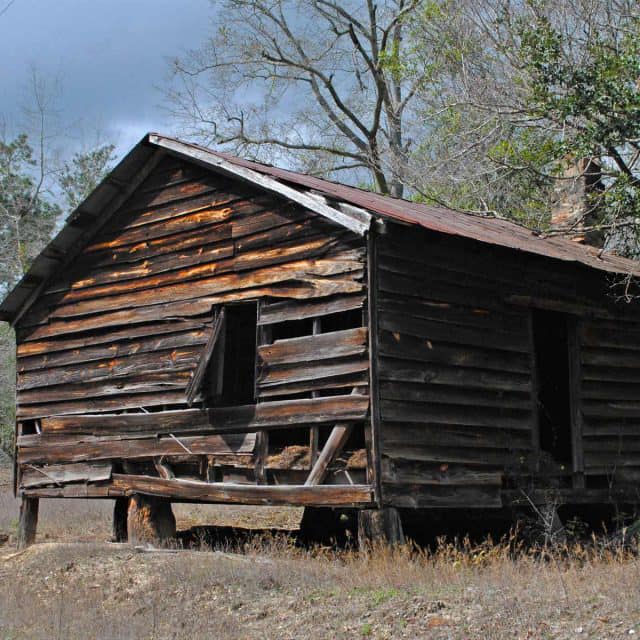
(326, 85)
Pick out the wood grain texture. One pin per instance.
(323, 495)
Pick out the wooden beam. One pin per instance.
(355, 219)
(332, 448)
(379, 526)
(195, 384)
(325, 495)
(78, 448)
(28, 523)
(314, 432)
(241, 419)
(372, 438)
(575, 403)
(262, 451)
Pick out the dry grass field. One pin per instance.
(73, 584)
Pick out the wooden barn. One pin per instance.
(207, 329)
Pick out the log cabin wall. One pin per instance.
(121, 333)
(456, 363)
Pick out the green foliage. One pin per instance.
(82, 174)
(7, 387)
(27, 217)
(521, 91)
(594, 108)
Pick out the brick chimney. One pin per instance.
(574, 209)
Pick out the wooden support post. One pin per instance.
(28, 522)
(150, 520)
(314, 432)
(262, 450)
(379, 526)
(332, 448)
(163, 468)
(120, 509)
(575, 400)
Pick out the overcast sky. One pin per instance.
(108, 55)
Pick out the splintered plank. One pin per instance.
(158, 248)
(304, 371)
(172, 360)
(91, 288)
(139, 383)
(336, 344)
(272, 313)
(116, 349)
(87, 275)
(240, 419)
(184, 309)
(28, 349)
(340, 382)
(95, 405)
(306, 271)
(323, 495)
(69, 448)
(62, 474)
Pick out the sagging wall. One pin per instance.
(458, 404)
(122, 331)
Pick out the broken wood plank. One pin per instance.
(198, 375)
(332, 448)
(59, 449)
(324, 495)
(31, 476)
(324, 346)
(219, 420)
(275, 312)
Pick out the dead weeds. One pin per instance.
(269, 588)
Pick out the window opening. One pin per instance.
(351, 319)
(230, 376)
(551, 346)
(292, 329)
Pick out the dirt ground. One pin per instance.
(74, 584)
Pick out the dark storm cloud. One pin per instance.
(109, 56)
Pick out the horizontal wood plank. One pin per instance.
(322, 495)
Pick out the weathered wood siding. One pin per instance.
(610, 399)
(455, 368)
(124, 327)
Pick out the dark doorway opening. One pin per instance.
(231, 373)
(553, 374)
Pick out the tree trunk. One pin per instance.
(28, 522)
(379, 526)
(150, 520)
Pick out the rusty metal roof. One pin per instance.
(486, 229)
(346, 205)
